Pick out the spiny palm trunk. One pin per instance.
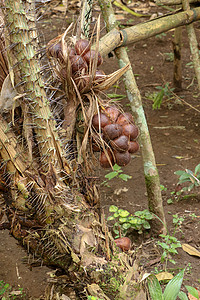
(46, 206)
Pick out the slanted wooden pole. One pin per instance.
(133, 93)
(193, 44)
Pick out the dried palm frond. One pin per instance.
(3, 61)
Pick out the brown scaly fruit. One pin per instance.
(104, 162)
(112, 131)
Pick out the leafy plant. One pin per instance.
(3, 287)
(164, 92)
(168, 244)
(190, 178)
(116, 173)
(177, 221)
(6, 292)
(172, 290)
(93, 298)
(169, 56)
(124, 220)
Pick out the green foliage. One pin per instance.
(192, 179)
(171, 291)
(124, 220)
(116, 173)
(3, 287)
(169, 56)
(157, 97)
(116, 97)
(190, 290)
(168, 244)
(164, 92)
(6, 292)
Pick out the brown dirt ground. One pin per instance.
(175, 149)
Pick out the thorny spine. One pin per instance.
(21, 36)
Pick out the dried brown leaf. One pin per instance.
(164, 276)
(190, 250)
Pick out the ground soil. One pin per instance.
(175, 136)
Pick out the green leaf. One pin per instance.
(116, 167)
(116, 215)
(154, 288)
(111, 175)
(182, 296)
(122, 220)
(113, 208)
(116, 96)
(146, 225)
(190, 187)
(172, 261)
(163, 245)
(126, 226)
(116, 231)
(169, 201)
(184, 177)
(138, 213)
(148, 216)
(158, 100)
(4, 288)
(133, 221)
(110, 218)
(123, 213)
(173, 287)
(197, 169)
(192, 291)
(179, 173)
(124, 177)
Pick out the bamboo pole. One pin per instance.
(193, 44)
(150, 170)
(116, 38)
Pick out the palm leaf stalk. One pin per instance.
(150, 169)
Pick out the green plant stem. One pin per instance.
(150, 170)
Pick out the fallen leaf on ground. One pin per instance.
(164, 276)
(190, 250)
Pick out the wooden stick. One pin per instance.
(116, 38)
(133, 93)
(193, 44)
